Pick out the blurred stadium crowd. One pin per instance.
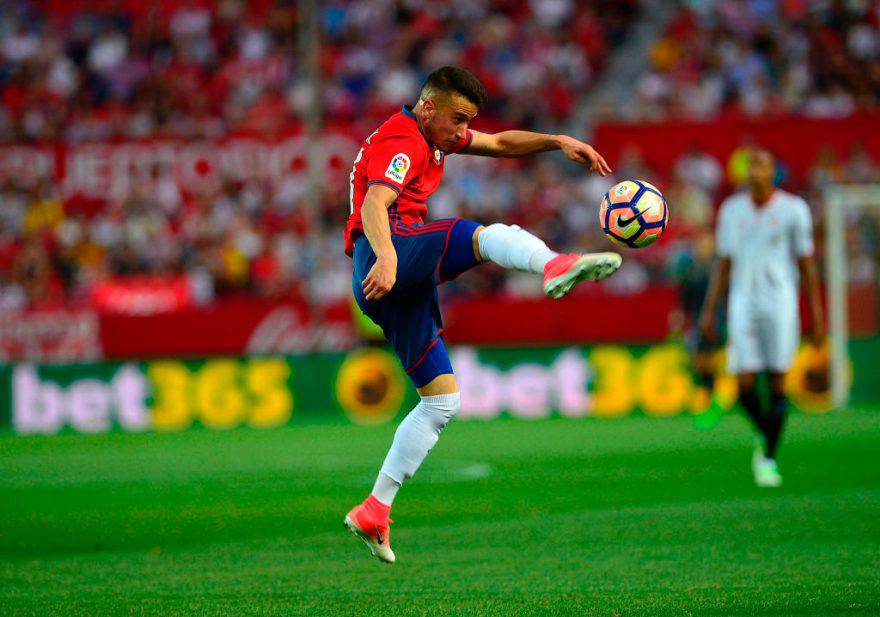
(201, 69)
(759, 57)
(208, 69)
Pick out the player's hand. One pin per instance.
(579, 152)
(381, 277)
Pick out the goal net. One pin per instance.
(852, 280)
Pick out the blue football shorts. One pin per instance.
(427, 254)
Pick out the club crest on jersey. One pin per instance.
(438, 156)
(398, 167)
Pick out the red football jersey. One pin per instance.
(399, 156)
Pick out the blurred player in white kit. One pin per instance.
(765, 247)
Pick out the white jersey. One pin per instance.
(764, 244)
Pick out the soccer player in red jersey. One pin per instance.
(399, 260)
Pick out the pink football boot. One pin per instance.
(565, 271)
(369, 522)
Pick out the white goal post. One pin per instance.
(841, 203)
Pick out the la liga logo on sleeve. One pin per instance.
(398, 167)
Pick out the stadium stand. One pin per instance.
(207, 71)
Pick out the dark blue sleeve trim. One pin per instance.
(396, 188)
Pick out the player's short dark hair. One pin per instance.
(453, 79)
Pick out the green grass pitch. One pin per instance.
(636, 516)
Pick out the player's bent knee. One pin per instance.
(441, 408)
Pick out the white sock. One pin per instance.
(413, 439)
(514, 248)
(385, 488)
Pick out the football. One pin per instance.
(633, 213)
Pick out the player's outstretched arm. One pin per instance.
(511, 144)
(374, 215)
(810, 278)
(717, 288)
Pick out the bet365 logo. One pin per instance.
(165, 395)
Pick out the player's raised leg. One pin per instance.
(512, 247)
